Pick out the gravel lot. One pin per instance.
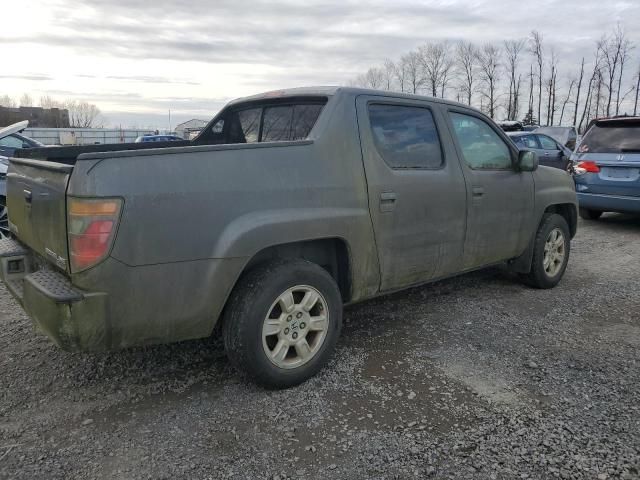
(474, 377)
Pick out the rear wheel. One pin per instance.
(588, 214)
(282, 322)
(4, 219)
(550, 252)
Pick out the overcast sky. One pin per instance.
(136, 59)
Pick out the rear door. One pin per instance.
(417, 195)
(37, 207)
(614, 146)
(500, 199)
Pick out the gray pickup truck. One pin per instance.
(287, 206)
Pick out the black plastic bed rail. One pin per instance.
(69, 155)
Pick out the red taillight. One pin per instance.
(588, 166)
(92, 224)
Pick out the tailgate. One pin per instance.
(36, 199)
(619, 174)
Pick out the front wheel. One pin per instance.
(588, 214)
(282, 322)
(550, 252)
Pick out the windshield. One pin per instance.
(612, 137)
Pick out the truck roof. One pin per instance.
(327, 91)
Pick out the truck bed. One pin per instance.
(69, 155)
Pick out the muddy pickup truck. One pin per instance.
(287, 206)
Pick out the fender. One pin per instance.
(251, 233)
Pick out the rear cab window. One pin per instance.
(284, 120)
(612, 136)
(406, 136)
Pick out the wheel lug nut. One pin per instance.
(286, 331)
(295, 335)
(289, 318)
(299, 315)
(302, 324)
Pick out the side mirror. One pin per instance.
(527, 161)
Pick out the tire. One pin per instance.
(4, 219)
(587, 214)
(261, 320)
(548, 268)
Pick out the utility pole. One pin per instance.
(169, 121)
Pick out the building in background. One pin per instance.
(38, 117)
(190, 128)
(84, 136)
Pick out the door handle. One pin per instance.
(27, 195)
(387, 201)
(477, 191)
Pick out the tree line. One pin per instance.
(82, 114)
(520, 79)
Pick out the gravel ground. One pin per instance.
(474, 377)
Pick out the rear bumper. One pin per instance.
(74, 319)
(609, 203)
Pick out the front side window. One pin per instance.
(482, 147)
(405, 136)
(547, 143)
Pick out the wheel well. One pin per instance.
(569, 212)
(332, 254)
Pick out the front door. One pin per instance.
(500, 198)
(417, 195)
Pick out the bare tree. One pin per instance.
(489, 62)
(48, 102)
(625, 50)
(512, 49)
(635, 104)
(414, 73)
(372, 78)
(82, 114)
(577, 101)
(551, 88)
(530, 116)
(26, 100)
(467, 64)
(437, 64)
(400, 73)
(388, 70)
(566, 100)
(611, 51)
(588, 100)
(7, 101)
(537, 50)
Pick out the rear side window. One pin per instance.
(405, 136)
(264, 123)
(243, 126)
(482, 147)
(547, 143)
(526, 141)
(612, 137)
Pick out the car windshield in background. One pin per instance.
(612, 137)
